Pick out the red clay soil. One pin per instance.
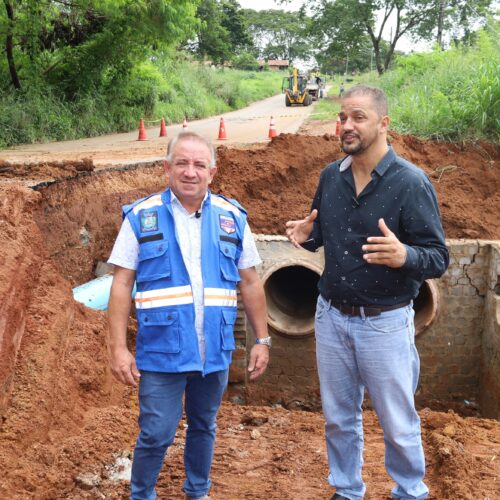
(63, 418)
(277, 184)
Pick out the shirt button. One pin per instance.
(346, 252)
(348, 229)
(342, 278)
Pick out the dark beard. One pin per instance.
(354, 149)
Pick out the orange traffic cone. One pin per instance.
(272, 129)
(185, 123)
(337, 127)
(163, 128)
(142, 131)
(222, 130)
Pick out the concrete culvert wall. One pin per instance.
(449, 317)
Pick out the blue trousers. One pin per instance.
(160, 402)
(378, 352)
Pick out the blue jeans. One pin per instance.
(160, 401)
(377, 352)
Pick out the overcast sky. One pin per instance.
(269, 4)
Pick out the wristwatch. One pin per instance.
(264, 341)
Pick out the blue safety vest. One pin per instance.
(166, 339)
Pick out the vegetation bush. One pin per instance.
(450, 95)
(245, 61)
(172, 86)
(446, 95)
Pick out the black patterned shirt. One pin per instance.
(401, 194)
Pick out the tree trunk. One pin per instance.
(378, 56)
(9, 44)
(389, 55)
(439, 38)
(376, 50)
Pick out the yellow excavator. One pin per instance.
(295, 89)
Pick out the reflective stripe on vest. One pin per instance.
(220, 297)
(162, 297)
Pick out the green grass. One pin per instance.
(173, 88)
(325, 109)
(452, 95)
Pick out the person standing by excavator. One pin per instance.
(187, 250)
(378, 219)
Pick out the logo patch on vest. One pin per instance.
(149, 221)
(227, 224)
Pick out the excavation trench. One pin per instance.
(62, 412)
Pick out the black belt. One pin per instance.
(367, 310)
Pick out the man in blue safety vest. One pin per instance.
(187, 250)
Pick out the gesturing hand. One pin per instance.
(385, 250)
(298, 231)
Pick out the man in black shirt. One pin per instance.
(378, 219)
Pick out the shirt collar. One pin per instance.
(381, 168)
(175, 201)
(345, 163)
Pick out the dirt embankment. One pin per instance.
(277, 184)
(64, 419)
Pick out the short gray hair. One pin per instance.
(377, 95)
(193, 136)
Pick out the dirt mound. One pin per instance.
(65, 421)
(49, 170)
(277, 183)
(467, 181)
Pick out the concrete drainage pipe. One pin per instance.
(291, 291)
(291, 294)
(426, 306)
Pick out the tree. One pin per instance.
(342, 39)
(280, 35)
(222, 33)
(234, 22)
(213, 39)
(9, 44)
(348, 20)
(245, 61)
(457, 19)
(359, 17)
(78, 43)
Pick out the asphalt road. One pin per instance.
(245, 126)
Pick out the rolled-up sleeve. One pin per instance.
(125, 251)
(249, 256)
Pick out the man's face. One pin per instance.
(361, 125)
(189, 173)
